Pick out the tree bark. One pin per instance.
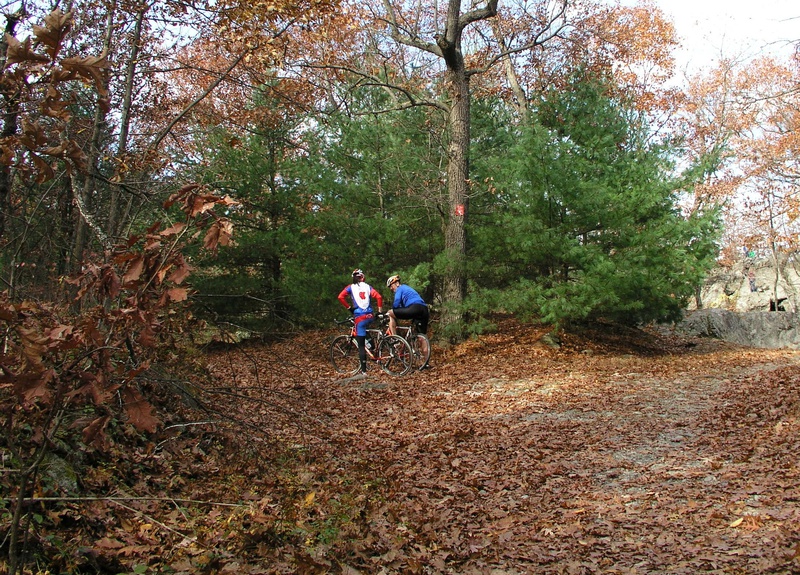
(773, 245)
(454, 280)
(10, 121)
(115, 219)
(83, 197)
(520, 101)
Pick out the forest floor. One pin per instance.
(621, 451)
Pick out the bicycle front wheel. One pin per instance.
(396, 357)
(421, 346)
(344, 354)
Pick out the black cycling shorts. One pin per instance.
(415, 311)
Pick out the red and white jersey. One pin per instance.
(360, 293)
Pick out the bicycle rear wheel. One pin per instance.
(344, 354)
(396, 357)
(421, 346)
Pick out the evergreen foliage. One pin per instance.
(587, 224)
(370, 177)
(574, 217)
(318, 200)
(244, 284)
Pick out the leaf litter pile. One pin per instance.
(619, 451)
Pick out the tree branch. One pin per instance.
(371, 80)
(407, 39)
(202, 96)
(490, 11)
(544, 35)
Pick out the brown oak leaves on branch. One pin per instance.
(92, 362)
(32, 82)
(80, 365)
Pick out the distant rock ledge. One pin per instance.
(762, 329)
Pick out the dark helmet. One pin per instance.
(358, 275)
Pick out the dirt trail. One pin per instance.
(633, 455)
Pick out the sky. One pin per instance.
(732, 28)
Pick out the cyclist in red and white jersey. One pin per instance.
(357, 297)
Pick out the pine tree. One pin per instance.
(590, 219)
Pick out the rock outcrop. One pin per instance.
(749, 285)
(764, 329)
(739, 305)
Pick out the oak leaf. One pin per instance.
(34, 385)
(174, 229)
(33, 345)
(178, 294)
(181, 271)
(139, 410)
(106, 543)
(218, 234)
(109, 282)
(147, 337)
(44, 171)
(94, 433)
(134, 271)
(180, 195)
(52, 34)
(91, 68)
(19, 52)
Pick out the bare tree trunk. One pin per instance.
(776, 263)
(791, 290)
(66, 231)
(520, 101)
(82, 197)
(698, 297)
(115, 222)
(776, 278)
(79, 242)
(455, 237)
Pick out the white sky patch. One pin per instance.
(738, 29)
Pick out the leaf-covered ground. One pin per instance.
(619, 452)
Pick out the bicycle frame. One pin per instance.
(392, 353)
(419, 343)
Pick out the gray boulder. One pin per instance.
(763, 329)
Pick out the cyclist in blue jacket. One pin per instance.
(356, 297)
(408, 304)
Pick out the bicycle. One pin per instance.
(391, 352)
(419, 342)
